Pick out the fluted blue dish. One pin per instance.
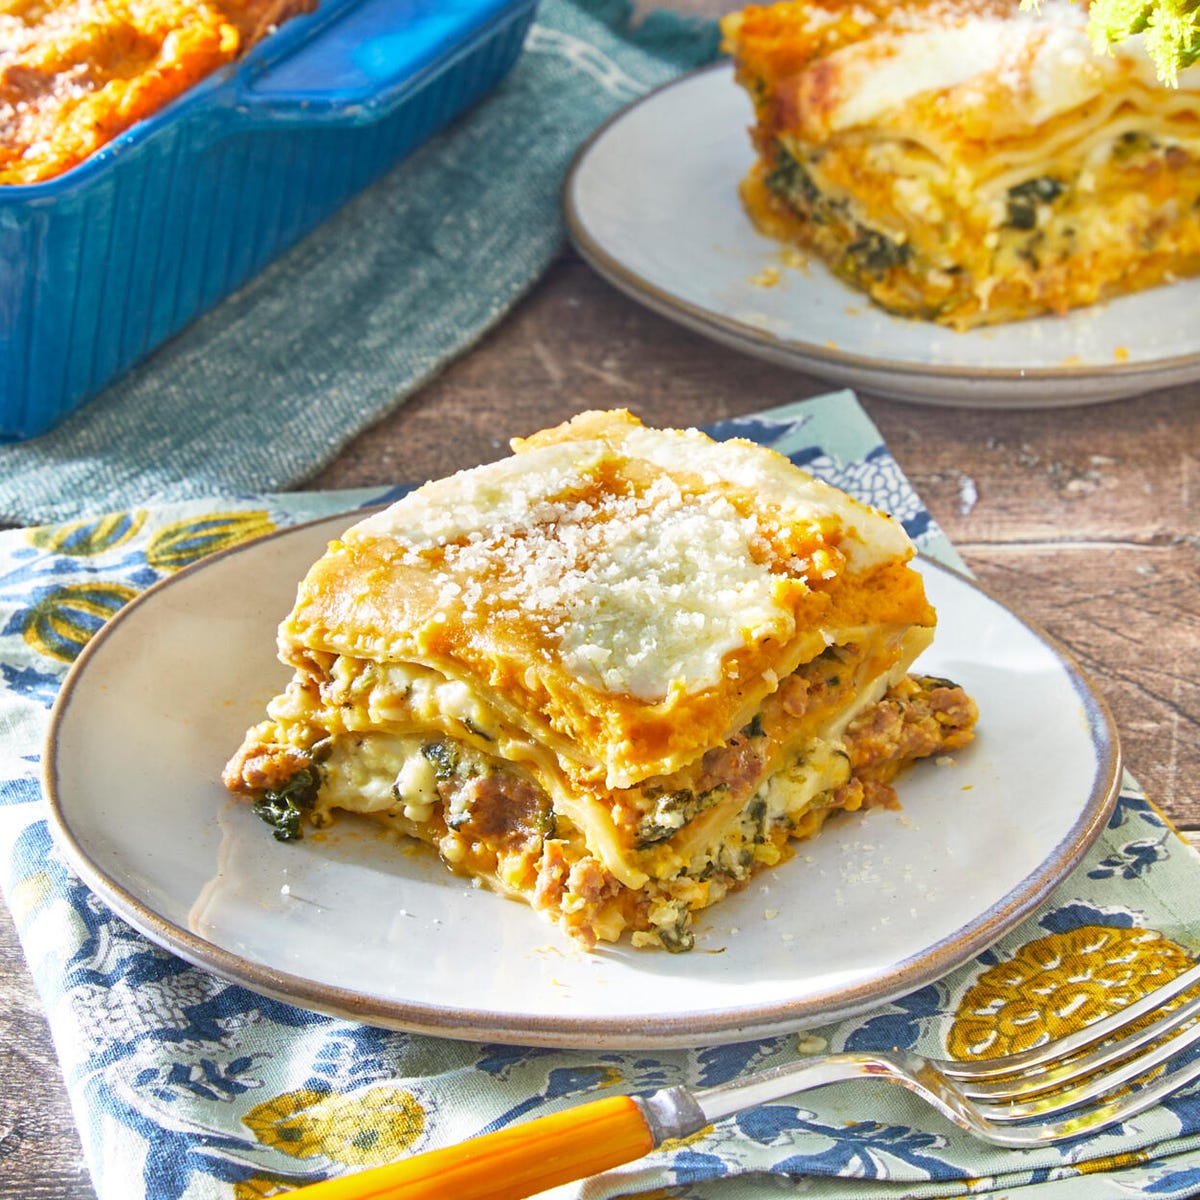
(105, 262)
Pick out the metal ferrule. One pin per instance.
(671, 1113)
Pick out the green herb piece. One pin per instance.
(678, 938)
(444, 757)
(1024, 198)
(929, 682)
(672, 811)
(788, 178)
(874, 253)
(1133, 142)
(283, 808)
(755, 728)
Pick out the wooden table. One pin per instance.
(1086, 519)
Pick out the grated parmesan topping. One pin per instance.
(641, 588)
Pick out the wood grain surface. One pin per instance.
(1086, 520)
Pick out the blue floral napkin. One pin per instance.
(266, 389)
(186, 1086)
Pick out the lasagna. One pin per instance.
(75, 73)
(968, 161)
(612, 675)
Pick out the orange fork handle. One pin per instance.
(509, 1164)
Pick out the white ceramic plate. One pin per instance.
(651, 202)
(343, 923)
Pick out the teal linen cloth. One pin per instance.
(266, 389)
(187, 1087)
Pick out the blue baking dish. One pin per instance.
(104, 263)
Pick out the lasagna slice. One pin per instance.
(968, 161)
(612, 675)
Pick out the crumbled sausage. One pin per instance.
(920, 716)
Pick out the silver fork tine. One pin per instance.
(1055, 1051)
(1102, 1083)
(1090, 1120)
(1046, 1078)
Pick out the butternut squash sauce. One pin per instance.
(76, 73)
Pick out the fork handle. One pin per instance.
(509, 1164)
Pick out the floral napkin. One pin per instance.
(187, 1086)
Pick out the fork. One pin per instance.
(1069, 1087)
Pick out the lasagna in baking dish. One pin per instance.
(968, 161)
(612, 675)
(75, 73)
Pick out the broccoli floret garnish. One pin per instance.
(1171, 30)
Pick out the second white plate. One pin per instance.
(652, 203)
(346, 923)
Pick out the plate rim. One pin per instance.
(752, 340)
(645, 1031)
